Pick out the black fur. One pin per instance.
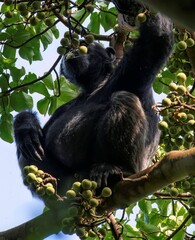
(110, 128)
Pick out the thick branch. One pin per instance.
(183, 12)
(175, 166)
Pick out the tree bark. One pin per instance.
(175, 166)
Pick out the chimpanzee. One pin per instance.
(110, 128)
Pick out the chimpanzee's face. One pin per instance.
(83, 69)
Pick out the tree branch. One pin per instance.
(7, 92)
(175, 166)
(65, 21)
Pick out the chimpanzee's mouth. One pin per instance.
(78, 52)
(72, 54)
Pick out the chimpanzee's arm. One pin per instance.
(138, 68)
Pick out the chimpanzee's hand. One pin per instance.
(28, 136)
(106, 174)
(128, 7)
(29, 144)
(129, 10)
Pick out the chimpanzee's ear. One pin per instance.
(111, 53)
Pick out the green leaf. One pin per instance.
(94, 25)
(7, 62)
(48, 81)
(10, 21)
(26, 53)
(68, 90)
(189, 81)
(36, 47)
(4, 8)
(21, 36)
(46, 39)
(168, 74)
(108, 20)
(4, 36)
(4, 82)
(43, 104)
(129, 210)
(166, 80)
(131, 231)
(79, 1)
(163, 206)
(21, 101)
(9, 52)
(17, 73)
(158, 86)
(18, 35)
(39, 87)
(103, 5)
(4, 103)
(53, 105)
(181, 211)
(60, 102)
(155, 217)
(148, 228)
(80, 15)
(37, 55)
(180, 235)
(55, 32)
(6, 123)
(171, 221)
(29, 78)
(145, 206)
(31, 51)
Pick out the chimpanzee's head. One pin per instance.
(89, 69)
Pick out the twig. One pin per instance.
(115, 227)
(7, 92)
(30, 39)
(179, 228)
